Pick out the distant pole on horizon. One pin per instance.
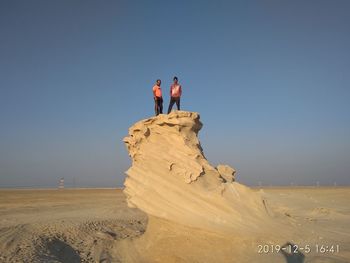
(61, 183)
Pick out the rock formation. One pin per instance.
(171, 179)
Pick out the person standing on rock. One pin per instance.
(175, 94)
(158, 99)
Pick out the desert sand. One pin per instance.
(175, 207)
(96, 225)
(79, 225)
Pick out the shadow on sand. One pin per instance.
(292, 254)
(59, 251)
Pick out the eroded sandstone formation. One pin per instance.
(171, 179)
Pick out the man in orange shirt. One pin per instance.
(175, 94)
(158, 99)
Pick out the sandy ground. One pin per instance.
(95, 225)
(321, 220)
(65, 225)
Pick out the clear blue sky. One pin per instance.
(271, 80)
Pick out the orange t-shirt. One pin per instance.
(157, 91)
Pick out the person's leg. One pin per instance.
(156, 106)
(171, 104)
(161, 105)
(178, 103)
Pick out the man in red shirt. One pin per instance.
(175, 94)
(158, 99)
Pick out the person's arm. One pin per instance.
(154, 93)
(180, 91)
(171, 89)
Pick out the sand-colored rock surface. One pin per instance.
(226, 172)
(171, 179)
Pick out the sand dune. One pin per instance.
(177, 207)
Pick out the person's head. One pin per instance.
(175, 80)
(158, 82)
